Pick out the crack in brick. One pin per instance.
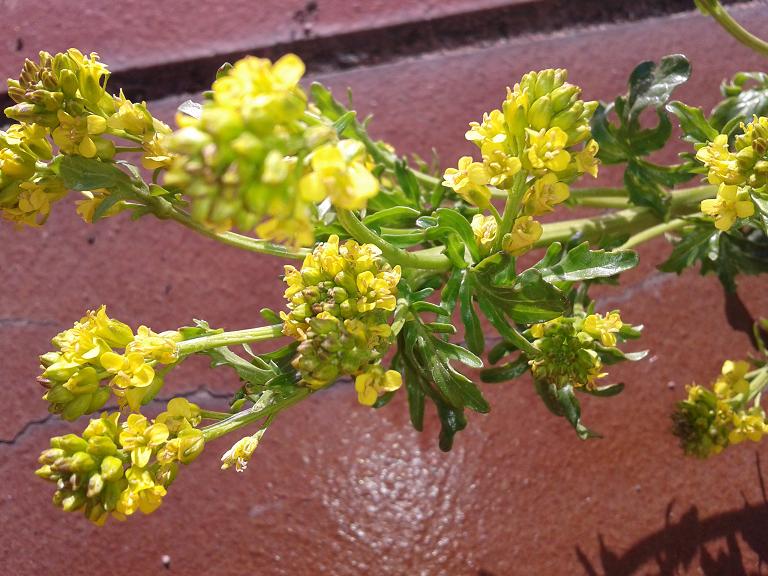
(158, 399)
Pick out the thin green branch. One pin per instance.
(653, 232)
(391, 253)
(727, 22)
(203, 343)
(245, 417)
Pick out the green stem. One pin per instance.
(716, 10)
(512, 207)
(393, 255)
(203, 343)
(238, 240)
(214, 415)
(652, 232)
(758, 383)
(245, 417)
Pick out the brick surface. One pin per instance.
(147, 32)
(338, 489)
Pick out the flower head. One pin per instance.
(731, 204)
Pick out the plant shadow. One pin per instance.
(674, 548)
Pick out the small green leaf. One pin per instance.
(473, 331)
(644, 190)
(86, 174)
(393, 217)
(695, 127)
(605, 391)
(566, 397)
(651, 85)
(452, 420)
(741, 103)
(528, 299)
(581, 263)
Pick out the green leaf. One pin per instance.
(695, 245)
(452, 420)
(613, 149)
(695, 127)
(741, 103)
(86, 174)
(447, 223)
(506, 372)
(473, 331)
(726, 254)
(528, 299)
(567, 400)
(644, 190)
(581, 263)
(327, 104)
(651, 85)
(393, 217)
(407, 181)
(760, 199)
(605, 391)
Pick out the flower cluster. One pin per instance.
(529, 143)
(26, 189)
(569, 348)
(339, 303)
(255, 160)
(88, 355)
(739, 172)
(62, 100)
(711, 419)
(118, 468)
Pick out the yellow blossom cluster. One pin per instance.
(711, 419)
(119, 468)
(100, 356)
(529, 144)
(339, 303)
(253, 160)
(62, 101)
(740, 171)
(570, 348)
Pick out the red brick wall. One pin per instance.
(336, 488)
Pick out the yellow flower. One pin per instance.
(87, 207)
(130, 370)
(470, 181)
(74, 134)
(185, 447)
(491, 129)
(525, 232)
(256, 86)
(731, 203)
(500, 163)
(142, 493)
(142, 438)
(547, 150)
(748, 426)
(155, 154)
(374, 382)
(152, 346)
(586, 159)
(545, 193)
(484, 228)
(732, 379)
(339, 173)
(723, 165)
(179, 414)
(603, 328)
(377, 292)
(240, 453)
(34, 201)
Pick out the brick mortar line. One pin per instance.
(373, 46)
